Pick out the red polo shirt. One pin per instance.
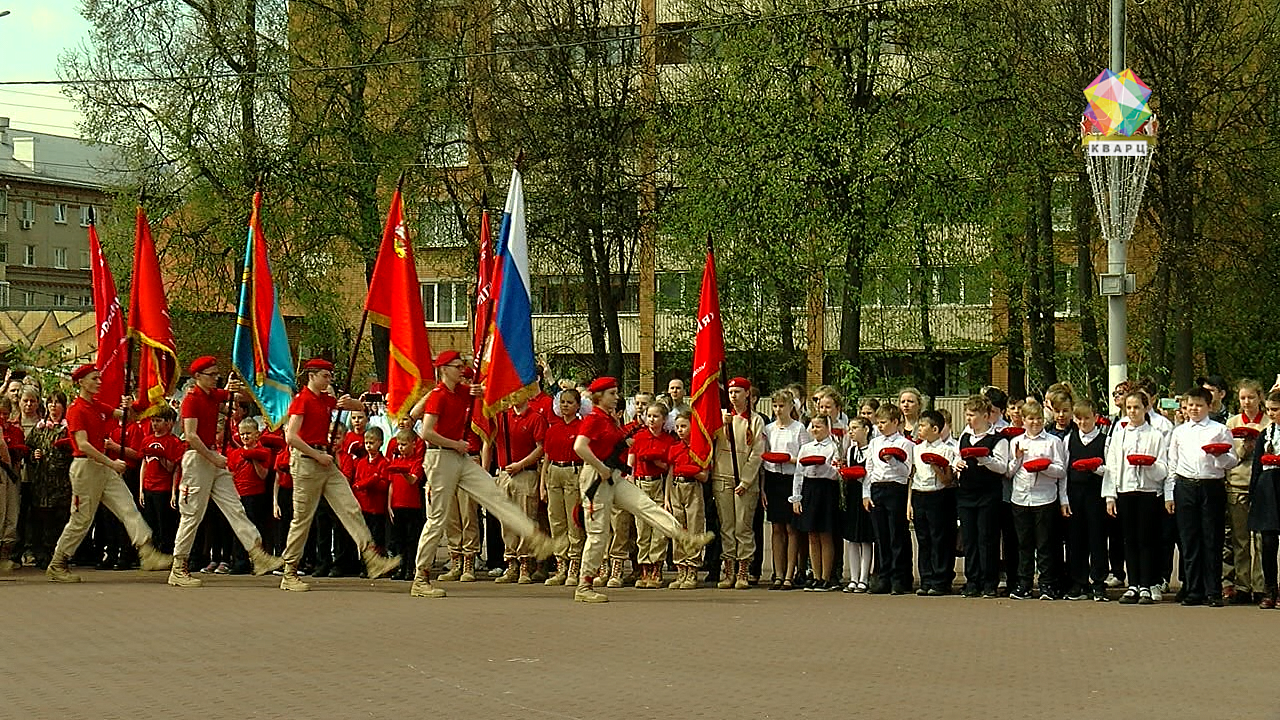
(649, 450)
(602, 432)
(559, 440)
(93, 418)
(524, 433)
(544, 405)
(316, 411)
(450, 409)
(283, 477)
(204, 407)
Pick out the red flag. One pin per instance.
(113, 347)
(480, 423)
(708, 359)
(149, 323)
(395, 302)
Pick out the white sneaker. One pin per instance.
(1113, 581)
(1164, 588)
(1156, 594)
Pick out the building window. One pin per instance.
(4, 202)
(86, 212)
(4, 293)
(445, 302)
(1066, 301)
(60, 213)
(28, 298)
(29, 255)
(28, 217)
(85, 301)
(4, 253)
(60, 258)
(59, 300)
(84, 260)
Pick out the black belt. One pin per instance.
(683, 480)
(1197, 481)
(577, 464)
(649, 477)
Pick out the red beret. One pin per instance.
(740, 382)
(447, 357)
(83, 371)
(317, 364)
(201, 364)
(1036, 465)
(602, 383)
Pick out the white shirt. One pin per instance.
(887, 470)
(1033, 489)
(827, 448)
(785, 439)
(1159, 422)
(926, 477)
(1187, 457)
(1120, 476)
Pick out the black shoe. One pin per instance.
(899, 590)
(1130, 597)
(1192, 601)
(1020, 594)
(878, 587)
(1213, 601)
(1047, 594)
(936, 592)
(322, 570)
(1100, 595)
(1076, 593)
(776, 584)
(337, 572)
(922, 591)
(971, 592)
(1181, 594)
(1242, 598)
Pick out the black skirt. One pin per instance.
(855, 521)
(1264, 502)
(777, 488)
(819, 507)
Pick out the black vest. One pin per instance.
(977, 483)
(1077, 450)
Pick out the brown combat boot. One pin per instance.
(562, 571)
(526, 572)
(615, 574)
(468, 569)
(423, 588)
(180, 574)
(586, 593)
(744, 568)
(376, 564)
(455, 568)
(263, 561)
(571, 578)
(290, 581)
(512, 572)
(727, 574)
(151, 559)
(57, 569)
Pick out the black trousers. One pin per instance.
(1141, 517)
(162, 519)
(980, 535)
(280, 534)
(1035, 543)
(893, 538)
(1201, 512)
(1270, 546)
(406, 528)
(377, 525)
(1009, 545)
(757, 557)
(495, 549)
(934, 516)
(1115, 547)
(1087, 562)
(334, 547)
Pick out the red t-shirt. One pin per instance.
(602, 432)
(154, 449)
(241, 462)
(349, 450)
(404, 471)
(450, 409)
(678, 453)
(316, 411)
(204, 407)
(649, 450)
(559, 440)
(525, 432)
(93, 418)
(371, 484)
(284, 478)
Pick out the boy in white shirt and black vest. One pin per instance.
(1200, 454)
(979, 497)
(884, 495)
(932, 505)
(1039, 474)
(1087, 522)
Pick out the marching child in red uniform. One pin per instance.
(250, 464)
(560, 467)
(685, 503)
(520, 436)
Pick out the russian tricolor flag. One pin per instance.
(509, 368)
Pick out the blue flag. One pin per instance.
(260, 352)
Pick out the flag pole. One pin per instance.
(231, 397)
(724, 395)
(128, 357)
(478, 356)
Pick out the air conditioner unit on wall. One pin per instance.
(27, 223)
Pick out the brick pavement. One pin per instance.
(124, 645)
